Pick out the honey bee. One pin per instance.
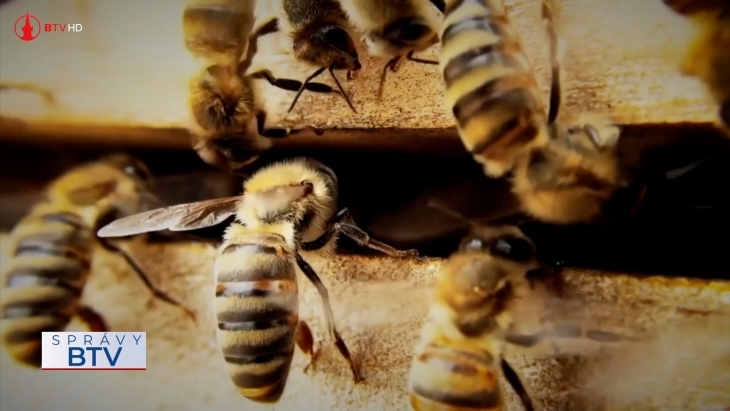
(286, 208)
(708, 57)
(53, 244)
(222, 99)
(561, 174)
(490, 87)
(319, 39)
(458, 359)
(570, 179)
(394, 29)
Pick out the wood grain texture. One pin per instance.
(379, 304)
(128, 69)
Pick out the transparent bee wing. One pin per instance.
(688, 362)
(181, 217)
(550, 325)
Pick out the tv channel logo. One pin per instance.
(94, 351)
(28, 27)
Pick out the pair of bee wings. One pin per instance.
(181, 217)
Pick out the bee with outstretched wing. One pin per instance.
(287, 207)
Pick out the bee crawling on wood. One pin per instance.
(53, 245)
(394, 29)
(222, 99)
(318, 40)
(482, 287)
(287, 207)
(561, 174)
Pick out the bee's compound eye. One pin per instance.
(138, 172)
(514, 248)
(473, 244)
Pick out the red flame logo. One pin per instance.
(28, 27)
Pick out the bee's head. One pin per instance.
(119, 181)
(483, 271)
(302, 192)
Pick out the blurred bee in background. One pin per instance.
(490, 87)
(53, 244)
(708, 57)
(561, 175)
(319, 38)
(458, 360)
(570, 179)
(394, 29)
(222, 100)
(286, 207)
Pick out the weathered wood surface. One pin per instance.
(128, 69)
(379, 305)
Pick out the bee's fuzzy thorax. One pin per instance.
(316, 209)
(289, 172)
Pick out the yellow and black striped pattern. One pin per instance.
(52, 250)
(455, 377)
(257, 309)
(490, 87)
(46, 275)
(457, 363)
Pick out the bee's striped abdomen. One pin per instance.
(215, 29)
(257, 313)
(44, 281)
(490, 87)
(447, 377)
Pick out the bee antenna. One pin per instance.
(449, 211)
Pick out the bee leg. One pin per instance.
(391, 64)
(347, 227)
(339, 86)
(293, 85)
(329, 233)
(266, 27)
(305, 342)
(276, 132)
(555, 86)
(303, 86)
(410, 57)
(145, 279)
(514, 380)
(92, 319)
(104, 242)
(331, 327)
